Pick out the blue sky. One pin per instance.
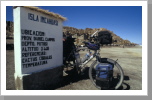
(124, 21)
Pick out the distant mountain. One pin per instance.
(140, 44)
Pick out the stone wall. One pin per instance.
(44, 80)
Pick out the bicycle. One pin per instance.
(117, 76)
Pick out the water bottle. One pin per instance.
(86, 57)
(77, 55)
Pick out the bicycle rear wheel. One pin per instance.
(118, 74)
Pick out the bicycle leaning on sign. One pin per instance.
(104, 73)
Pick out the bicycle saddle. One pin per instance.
(92, 46)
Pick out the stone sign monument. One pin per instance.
(38, 47)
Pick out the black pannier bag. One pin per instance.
(68, 46)
(104, 37)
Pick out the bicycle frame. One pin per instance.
(79, 65)
(90, 58)
(96, 54)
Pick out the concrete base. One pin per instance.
(44, 80)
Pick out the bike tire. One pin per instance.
(106, 60)
(77, 68)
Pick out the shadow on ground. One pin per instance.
(125, 86)
(72, 77)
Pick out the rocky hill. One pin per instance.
(77, 33)
(9, 29)
(82, 32)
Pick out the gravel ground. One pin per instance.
(10, 69)
(129, 58)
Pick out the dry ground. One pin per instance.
(129, 58)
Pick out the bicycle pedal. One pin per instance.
(81, 73)
(64, 73)
(71, 65)
(82, 69)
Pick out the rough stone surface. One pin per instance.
(41, 80)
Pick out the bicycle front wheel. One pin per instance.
(118, 74)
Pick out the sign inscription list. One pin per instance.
(35, 48)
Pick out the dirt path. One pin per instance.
(129, 58)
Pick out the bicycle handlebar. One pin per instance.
(94, 33)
